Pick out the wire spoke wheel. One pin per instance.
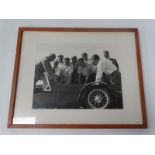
(98, 98)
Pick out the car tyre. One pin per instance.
(96, 97)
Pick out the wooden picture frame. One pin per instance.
(23, 35)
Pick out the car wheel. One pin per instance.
(96, 97)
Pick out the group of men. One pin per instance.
(79, 71)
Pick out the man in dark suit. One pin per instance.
(44, 66)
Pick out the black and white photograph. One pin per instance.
(77, 77)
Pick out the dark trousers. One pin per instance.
(113, 80)
(82, 79)
(74, 78)
(91, 78)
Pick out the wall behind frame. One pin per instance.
(8, 38)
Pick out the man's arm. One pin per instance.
(47, 66)
(79, 76)
(114, 61)
(100, 69)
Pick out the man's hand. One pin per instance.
(98, 80)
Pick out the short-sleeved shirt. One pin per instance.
(107, 67)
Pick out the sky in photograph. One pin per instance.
(72, 49)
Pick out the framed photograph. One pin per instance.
(77, 78)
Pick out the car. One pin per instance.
(94, 95)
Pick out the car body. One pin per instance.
(94, 95)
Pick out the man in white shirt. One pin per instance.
(107, 70)
(92, 68)
(105, 66)
(65, 74)
(82, 71)
(114, 61)
(59, 65)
